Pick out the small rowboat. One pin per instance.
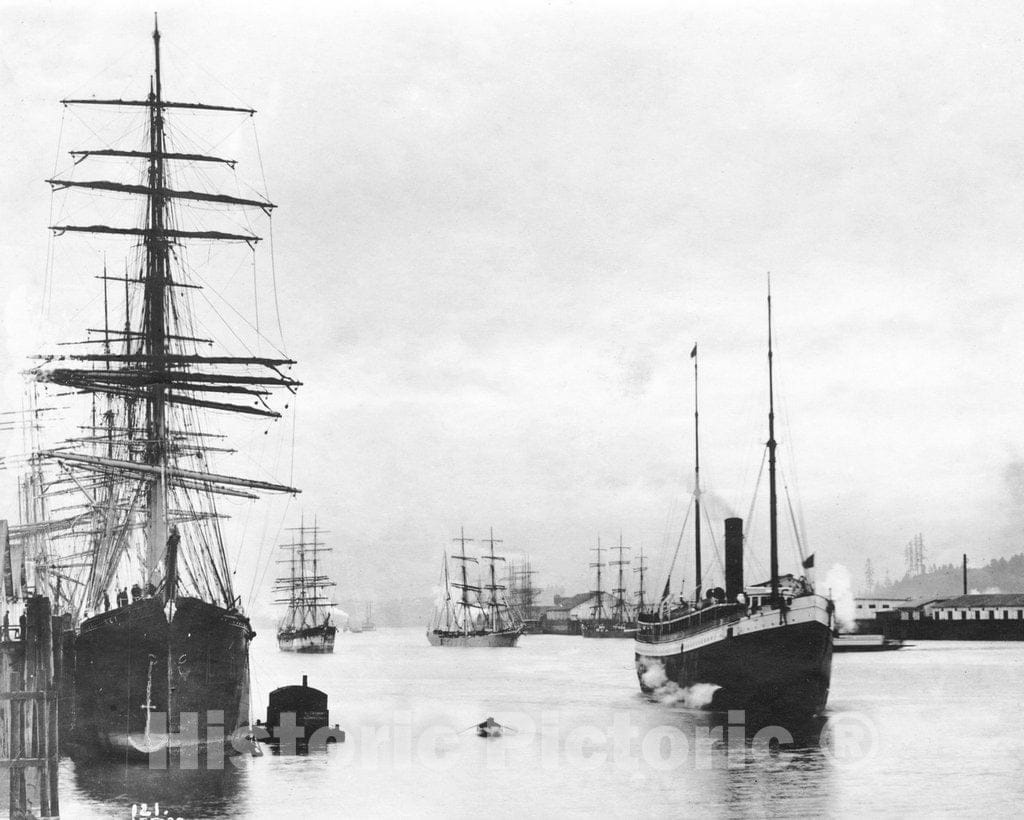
(489, 728)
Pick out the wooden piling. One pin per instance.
(28, 715)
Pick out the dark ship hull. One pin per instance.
(774, 661)
(317, 639)
(765, 650)
(440, 637)
(139, 674)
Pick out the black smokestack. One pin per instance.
(965, 573)
(733, 558)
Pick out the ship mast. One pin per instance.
(303, 604)
(313, 615)
(156, 278)
(620, 590)
(447, 594)
(527, 591)
(494, 586)
(597, 611)
(696, 478)
(157, 373)
(772, 499)
(641, 568)
(530, 592)
(304, 590)
(296, 577)
(465, 586)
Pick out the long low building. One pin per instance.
(867, 610)
(989, 617)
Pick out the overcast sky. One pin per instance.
(502, 227)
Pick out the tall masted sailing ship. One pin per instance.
(766, 649)
(470, 618)
(306, 625)
(523, 595)
(616, 621)
(368, 625)
(143, 572)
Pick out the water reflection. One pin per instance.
(758, 731)
(769, 730)
(738, 760)
(112, 788)
(597, 747)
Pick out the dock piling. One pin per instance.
(28, 715)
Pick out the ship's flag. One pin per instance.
(809, 561)
(693, 353)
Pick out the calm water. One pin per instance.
(936, 729)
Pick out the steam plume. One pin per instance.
(668, 691)
(840, 590)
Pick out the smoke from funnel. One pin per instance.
(840, 588)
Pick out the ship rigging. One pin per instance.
(306, 625)
(140, 565)
(765, 648)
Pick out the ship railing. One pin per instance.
(652, 626)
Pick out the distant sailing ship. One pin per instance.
(768, 649)
(306, 626)
(470, 618)
(144, 576)
(522, 595)
(640, 570)
(368, 625)
(618, 622)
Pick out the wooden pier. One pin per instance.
(28, 713)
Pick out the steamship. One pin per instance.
(767, 648)
(140, 565)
